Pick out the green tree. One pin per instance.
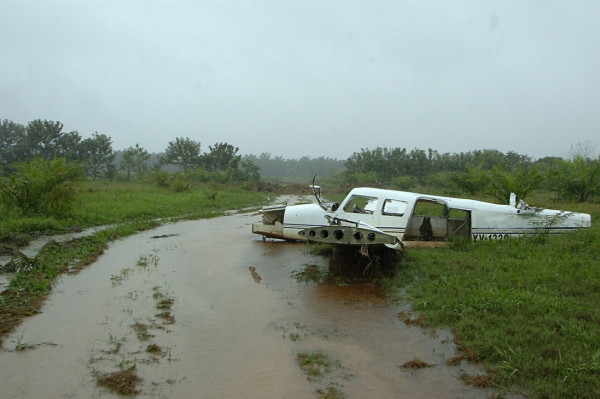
(374, 162)
(578, 179)
(98, 154)
(418, 164)
(69, 146)
(42, 139)
(521, 181)
(515, 161)
(391, 163)
(11, 134)
(134, 160)
(486, 158)
(546, 164)
(222, 157)
(183, 152)
(472, 181)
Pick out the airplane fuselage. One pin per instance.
(415, 218)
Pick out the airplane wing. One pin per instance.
(361, 234)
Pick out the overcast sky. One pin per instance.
(316, 78)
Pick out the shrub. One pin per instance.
(474, 180)
(577, 180)
(404, 182)
(45, 187)
(160, 177)
(521, 181)
(180, 183)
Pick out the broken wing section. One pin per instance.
(272, 222)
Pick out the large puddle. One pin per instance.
(180, 307)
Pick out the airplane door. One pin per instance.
(428, 222)
(459, 223)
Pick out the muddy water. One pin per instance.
(225, 335)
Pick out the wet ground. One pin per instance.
(35, 245)
(205, 309)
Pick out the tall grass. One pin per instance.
(106, 203)
(97, 203)
(41, 186)
(527, 307)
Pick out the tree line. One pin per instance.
(46, 140)
(40, 165)
(482, 171)
(488, 172)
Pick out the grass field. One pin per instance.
(100, 204)
(527, 308)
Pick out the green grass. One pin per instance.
(527, 307)
(316, 364)
(98, 203)
(115, 203)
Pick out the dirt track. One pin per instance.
(205, 309)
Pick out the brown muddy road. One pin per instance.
(219, 333)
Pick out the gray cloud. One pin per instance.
(308, 77)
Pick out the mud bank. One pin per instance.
(181, 308)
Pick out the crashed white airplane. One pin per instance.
(371, 216)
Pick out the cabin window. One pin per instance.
(458, 214)
(361, 204)
(430, 208)
(393, 207)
